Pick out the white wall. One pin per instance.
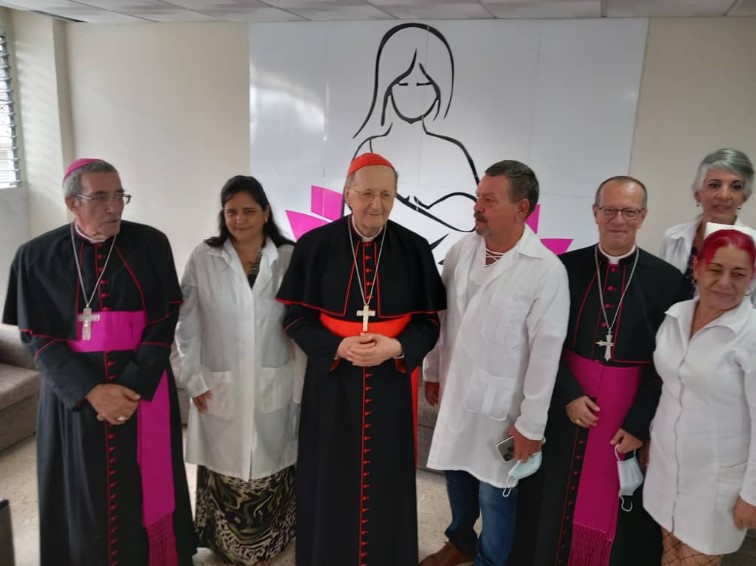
(698, 93)
(168, 104)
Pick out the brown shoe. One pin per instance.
(449, 555)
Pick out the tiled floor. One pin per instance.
(18, 485)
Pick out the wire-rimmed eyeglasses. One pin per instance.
(103, 199)
(609, 212)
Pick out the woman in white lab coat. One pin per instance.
(701, 480)
(239, 367)
(723, 183)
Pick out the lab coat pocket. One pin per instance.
(221, 402)
(276, 385)
(488, 394)
(504, 318)
(729, 483)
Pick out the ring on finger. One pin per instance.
(577, 421)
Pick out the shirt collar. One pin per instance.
(734, 319)
(615, 259)
(530, 244)
(88, 238)
(360, 234)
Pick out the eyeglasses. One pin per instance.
(105, 199)
(368, 196)
(609, 212)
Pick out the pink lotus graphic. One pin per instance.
(326, 205)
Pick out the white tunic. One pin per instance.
(232, 344)
(703, 437)
(498, 353)
(678, 240)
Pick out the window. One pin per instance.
(10, 172)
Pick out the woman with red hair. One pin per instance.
(701, 479)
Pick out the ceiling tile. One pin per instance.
(124, 5)
(172, 16)
(99, 17)
(205, 5)
(439, 12)
(297, 4)
(651, 8)
(255, 15)
(41, 5)
(337, 13)
(397, 3)
(552, 9)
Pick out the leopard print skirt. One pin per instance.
(244, 522)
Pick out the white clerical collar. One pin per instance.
(88, 238)
(615, 259)
(362, 236)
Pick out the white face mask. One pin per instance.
(522, 470)
(630, 478)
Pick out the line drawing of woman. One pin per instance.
(409, 91)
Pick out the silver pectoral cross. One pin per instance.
(365, 313)
(87, 318)
(608, 344)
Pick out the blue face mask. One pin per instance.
(521, 470)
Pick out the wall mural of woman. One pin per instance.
(413, 87)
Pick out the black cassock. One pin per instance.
(356, 502)
(548, 500)
(90, 489)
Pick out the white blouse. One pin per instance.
(703, 437)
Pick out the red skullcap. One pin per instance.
(367, 159)
(78, 164)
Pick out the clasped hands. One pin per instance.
(369, 349)
(113, 403)
(583, 411)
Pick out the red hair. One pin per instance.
(727, 238)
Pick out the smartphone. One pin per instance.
(506, 448)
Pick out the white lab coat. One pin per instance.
(232, 344)
(678, 240)
(703, 437)
(498, 353)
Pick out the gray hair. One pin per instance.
(523, 183)
(626, 179)
(728, 159)
(72, 183)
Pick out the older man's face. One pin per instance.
(616, 231)
(99, 206)
(371, 197)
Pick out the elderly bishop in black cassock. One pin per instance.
(362, 298)
(96, 302)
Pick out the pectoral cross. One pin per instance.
(365, 313)
(87, 318)
(608, 344)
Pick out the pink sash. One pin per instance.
(594, 523)
(122, 330)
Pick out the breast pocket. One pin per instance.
(504, 320)
(489, 395)
(276, 387)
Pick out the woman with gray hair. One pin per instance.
(724, 182)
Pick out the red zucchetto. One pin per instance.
(367, 159)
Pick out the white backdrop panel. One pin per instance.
(443, 100)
